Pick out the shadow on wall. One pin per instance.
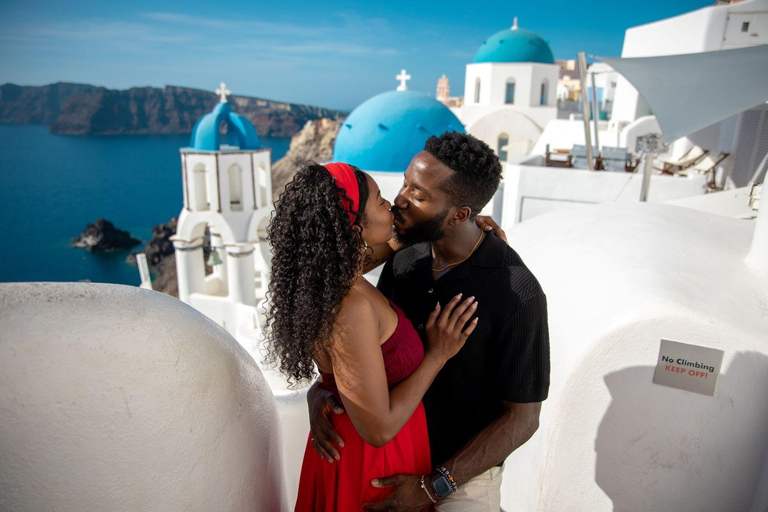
(689, 452)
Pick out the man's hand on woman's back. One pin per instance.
(322, 404)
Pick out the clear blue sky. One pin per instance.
(328, 54)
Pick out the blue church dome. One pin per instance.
(515, 45)
(206, 136)
(385, 132)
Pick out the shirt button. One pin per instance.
(430, 290)
(421, 326)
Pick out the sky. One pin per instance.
(333, 54)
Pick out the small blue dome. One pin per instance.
(385, 132)
(206, 136)
(515, 45)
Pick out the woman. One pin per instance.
(324, 313)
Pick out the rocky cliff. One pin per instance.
(161, 258)
(36, 105)
(77, 109)
(314, 142)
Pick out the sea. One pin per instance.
(53, 186)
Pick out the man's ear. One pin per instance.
(461, 215)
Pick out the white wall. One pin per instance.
(291, 405)
(534, 190)
(483, 72)
(729, 203)
(521, 131)
(119, 398)
(528, 78)
(564, 133)
(618, 279)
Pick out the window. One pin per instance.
(263, 186)
(745, 26)
(544, 92)
(235, 174)
(509, 97)
(200, 193)
(501, 148)
(477, 90)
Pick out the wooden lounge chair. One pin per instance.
(558, 158)
(706, 165)
(689, 158)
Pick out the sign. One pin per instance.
(651, 143)
(688, 367)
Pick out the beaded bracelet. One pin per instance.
(447, 475)
(433, 500)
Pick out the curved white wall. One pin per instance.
(618, 279)
(118, 398)
(521, 130)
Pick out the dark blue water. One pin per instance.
(52, 186)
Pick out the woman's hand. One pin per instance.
(445, 331)
(486, 223)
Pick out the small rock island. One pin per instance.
(103, 236)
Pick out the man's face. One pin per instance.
(422, 208)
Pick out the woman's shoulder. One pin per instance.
(357, 309)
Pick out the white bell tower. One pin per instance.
(227, 188)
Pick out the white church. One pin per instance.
(510, 91)
(227, 181)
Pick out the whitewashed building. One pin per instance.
(510, 91)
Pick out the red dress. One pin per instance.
(345, 485)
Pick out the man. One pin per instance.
(485, 402)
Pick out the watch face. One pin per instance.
(441, 486)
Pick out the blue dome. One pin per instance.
(515, 45)
(206, 136)
(385, 132)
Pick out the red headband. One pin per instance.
(346, 180)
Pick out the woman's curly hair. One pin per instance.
(316, 254)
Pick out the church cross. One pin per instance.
(223, 92)
(403, 77)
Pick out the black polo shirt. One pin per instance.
(507, 356)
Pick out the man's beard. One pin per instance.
(428, 230)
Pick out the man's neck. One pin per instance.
(457, 243)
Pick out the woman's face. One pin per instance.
(377, 224)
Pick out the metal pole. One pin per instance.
(585, 108)
(647, 171)
(595, 110)
(649, 146)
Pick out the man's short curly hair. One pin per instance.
(477, 170)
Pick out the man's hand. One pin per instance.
(322, 403)
(486, 223)
(408, 495)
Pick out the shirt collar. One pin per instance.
(490, 254)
